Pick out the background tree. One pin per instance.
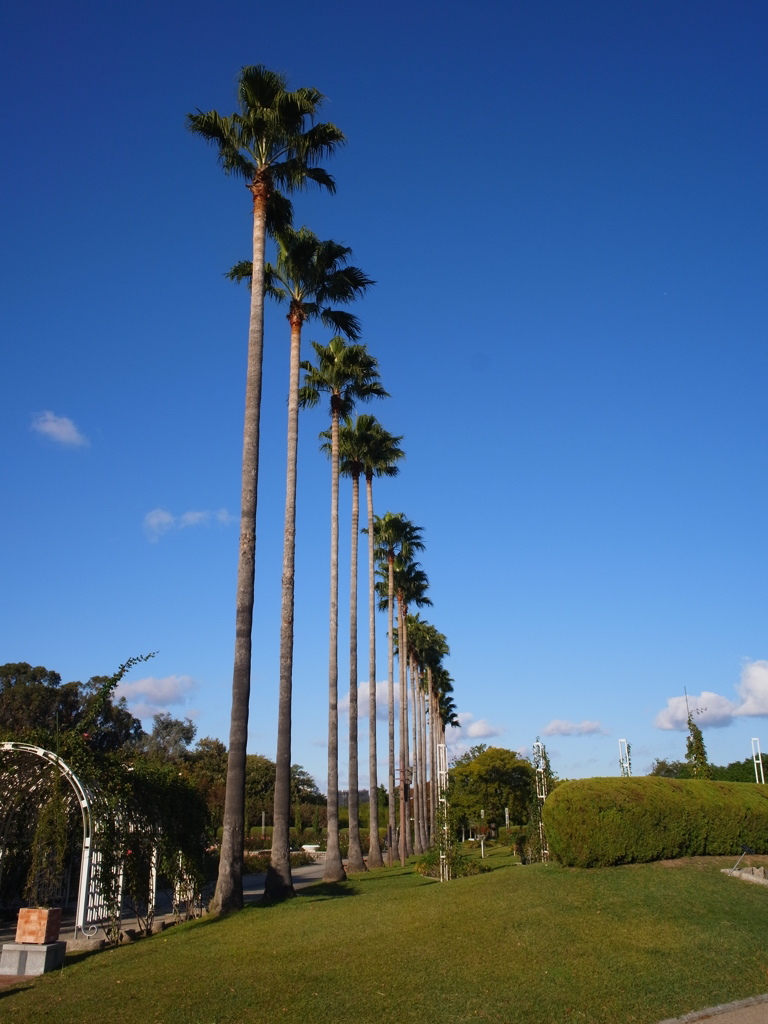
(35, 707)
(696, 752)
(205, 768)
(490, 779)
(273, 142)
(170, 738)
(668, 769)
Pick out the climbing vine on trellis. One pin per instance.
(147, 821)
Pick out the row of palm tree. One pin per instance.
(274, 142)
(367, 449)
(403, 583)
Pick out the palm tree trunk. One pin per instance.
(429, 756)
(355, 860)
(229, 886)
(278, 884)
(334, 868)
(406, 846)
(432, 735)
(424, 804)
(418, 846)
(391, 708)
(375, 859)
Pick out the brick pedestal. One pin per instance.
(38, 925)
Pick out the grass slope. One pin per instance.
(630, 944)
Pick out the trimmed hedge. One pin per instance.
(601, 822)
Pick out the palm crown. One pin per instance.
(365, 447)
(346, 372)
(272, 140)
(307, 275)
(396, 536)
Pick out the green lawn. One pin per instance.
(521, 944)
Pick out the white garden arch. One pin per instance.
(26, 772)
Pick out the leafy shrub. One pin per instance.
(256, 842)
(600, 822)
(255, 861)
(429, 865)
(514, 836)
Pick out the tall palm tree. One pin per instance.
(411, 585)
(427, 648)
(348, 373)
(416, 646)
(446, 706)
(273, 142)
(307, 275)
(395, 536)
(437, 649)
(367, 448)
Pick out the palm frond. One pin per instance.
(279, 213)
(341, 321)
(318, 142)
(309, 396)
(224, 133)
(242, 271)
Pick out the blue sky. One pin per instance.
(563, 206)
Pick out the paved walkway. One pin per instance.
(745, 1011)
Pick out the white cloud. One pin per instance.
(363, 694)
(709, 709)
(712, 709)
(160, 521)
(60, 429)
(481, 729)
(753, 689)
(157, 522)
(149, 696)
(469, 730)
(562, 727)
(193, 518)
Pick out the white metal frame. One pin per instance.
(91, 912)
(757, 758)
(626, 766)
(541, 792)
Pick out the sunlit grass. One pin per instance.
(630, 944)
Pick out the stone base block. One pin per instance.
(31, 958)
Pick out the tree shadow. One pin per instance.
(327, 891)
(16, 988)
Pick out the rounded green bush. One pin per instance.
(601, 822)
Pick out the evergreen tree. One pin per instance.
(696, 752)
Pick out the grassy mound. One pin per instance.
(541, 943)
(600, 822)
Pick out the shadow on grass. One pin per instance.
(15, 988)
(327, 891)
(85, 954)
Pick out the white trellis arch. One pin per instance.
(25, 770)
